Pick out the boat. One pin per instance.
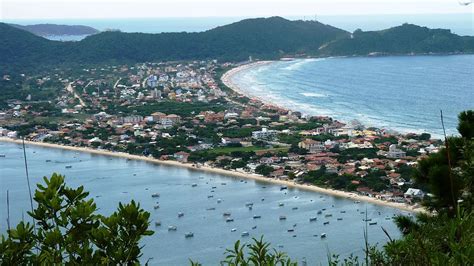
(323, 209)
(213, 187)
(294, 208)
(155, 195)
(357, 201)
(282, 218)
(283, 188)
(320, 212)
(245, 233)
(180, 214)
(254, 227)
(210, 196)
(291, 230)
(157, 223)
(367, 220)
(281, 204)
(248, 204)
(226, 214)
(194, 185)
(172, 228)
(372, 223)
(48, 161)
(233, 229)
(343, 211)
(257, 216)
(211, 209)
(189, 234)
(325, 223)
(328, 215)
(323, 235)
(68, 166)
(223, 184)
(219, 200)
(2, 156)
(228, 220)
(339, 219)
(156, 207)
(387, 218)
(263, 199)
(313, 219)
(250, 208)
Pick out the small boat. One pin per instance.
(248, 204)
(223, 184)
(293, 235)
(326, 223)
(254, 227)
(172, 228)
(226, 214)
(320, 212)
(313, 219)
(210, 196)
(263, 199)
(323, 209)
(328, 215)
(291, 230)
(257, 216)
(281, 204)
(343, 211)
(157, 223)
(213, 187)
(156, 207)
(250, 208)
(339, 219)
(283, 188)
(387, 218)
(219, 200)
(180, 214)
(282, 218)
(211, 209)
(367, 220)
(68, 166)
(323, 235)
(233, 229)
(357, 201)
(3, 156)
(372, 223)
(228, 220)
(245, 233)
(194, 185)
(155, 195)
(48, 161)
(189, 234)
(294, 208)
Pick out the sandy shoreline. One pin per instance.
(337, 193)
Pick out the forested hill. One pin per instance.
(55, 29)
(264, 38)
(407, 38)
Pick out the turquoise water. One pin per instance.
(112, 180)
(403, 93)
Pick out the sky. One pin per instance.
(85, 9)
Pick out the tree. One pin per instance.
(67, 230)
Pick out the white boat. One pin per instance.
(245, 233)
(313, 219)
(219, 200)
(323, 235)
(189, 234)
(281, 204)
(180, 214)
(155, 195)
(233, 229)
(248, 204)
(172, 228)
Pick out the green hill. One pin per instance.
(264, 38)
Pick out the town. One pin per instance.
(182, 111)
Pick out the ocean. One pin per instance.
(402, 93)
(111, 180)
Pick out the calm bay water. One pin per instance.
(112, 180)
(403, 93)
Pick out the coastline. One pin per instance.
(307, 187)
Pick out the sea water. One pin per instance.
(111, 180)
(402, 93)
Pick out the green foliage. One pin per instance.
(258, 253)
(264, 169)
(67, 230)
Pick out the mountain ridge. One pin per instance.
(261, 38)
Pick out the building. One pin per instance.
(264, 134)
(312, 146)
(395, 153)
(414, 193)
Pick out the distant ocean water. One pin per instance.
(459, 23)
(403, 93)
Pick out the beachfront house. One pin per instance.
(312, 146)
(264, 134)
(395, 153)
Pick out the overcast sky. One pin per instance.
(56, 9)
